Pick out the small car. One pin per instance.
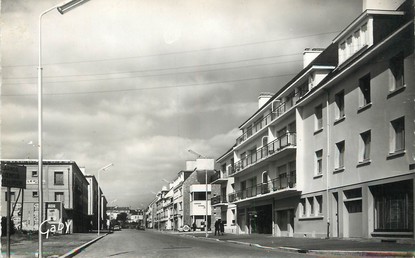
(117, 227)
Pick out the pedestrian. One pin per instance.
(222, 227)
(217, 227)
(194, 226)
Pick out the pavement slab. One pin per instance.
(56, 245)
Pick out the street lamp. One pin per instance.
(62, 9)
(99, 196)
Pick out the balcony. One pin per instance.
(276, 146)
(219, 177)
(254, 129)
(277, 111)
(219, 200)
(276, 185)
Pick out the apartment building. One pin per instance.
(222, 208)
(92, 201)
(331, 153)
(63, 182)
(183, 202)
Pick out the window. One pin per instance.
(319, 162)
(318, 111)
(265, 177)
(393, 205)
(58, 178)
(319, 200)
(365, 139)
(34, 173)
(397, 135)
(311, 205)
(302, 90)
(12, 196)
(364, 86)
(356, 41)
(59, 197)
(364, 38)
(199, 196)
(311, 79)
(292, 168)
(349, 46)
(339, 99)
(397, 72)
(35, 194)
(290, 100)
(303, 208)
(342, 52)
(340, 154)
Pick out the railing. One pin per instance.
(219, 199)
(281, 182)
(275, 113)
(219, 175)
(288, 139)
(255, 128)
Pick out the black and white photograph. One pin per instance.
(207, 128)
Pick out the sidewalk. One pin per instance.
(23, 246)
(347, 247)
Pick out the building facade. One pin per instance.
(331, 153)
(183, 202)
(63, 182)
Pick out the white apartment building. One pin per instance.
(331, 153)
(223, 209)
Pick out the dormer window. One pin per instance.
(311, 80)
(354, 41)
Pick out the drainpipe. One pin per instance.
(327, 162)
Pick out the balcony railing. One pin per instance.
(219, 199)
(283, 181)
(276, 112)
(288, 139)
(219, 175)
(255, 128)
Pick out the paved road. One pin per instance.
(136, 243)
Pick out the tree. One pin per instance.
(122, 217)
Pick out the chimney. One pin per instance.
(382, 4)
(263, 98)
(310, 54)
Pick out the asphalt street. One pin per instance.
(136, 243)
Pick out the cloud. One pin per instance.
(138, 83)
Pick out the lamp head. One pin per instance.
(70, 5)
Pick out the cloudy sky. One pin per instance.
(139, 82)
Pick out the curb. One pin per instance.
(77, 250)
(363, 253)
(328, 252)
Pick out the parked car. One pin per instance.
(117, 227)
(141, 227)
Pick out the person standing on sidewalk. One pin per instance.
(217, 227)
(222, 227)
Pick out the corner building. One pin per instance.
(331, 153)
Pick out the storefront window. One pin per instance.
(394, 207)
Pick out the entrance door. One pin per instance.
(285, 223)
(336, 226)
(354, 209)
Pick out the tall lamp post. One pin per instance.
(62, 9)
(99, 197)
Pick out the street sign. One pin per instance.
(13, 176)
